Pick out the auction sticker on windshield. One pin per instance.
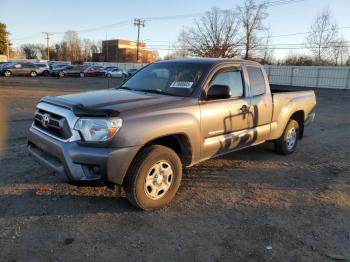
(181, 84)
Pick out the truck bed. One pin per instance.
(287, 89)
(288, 100)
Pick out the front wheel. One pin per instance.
(109, 75)
(287, 143)
(7, 73)
(33, 74)
(154, 178)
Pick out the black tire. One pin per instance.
(61, 74)
(283, 145)
(141, 168)
(109, 75)
(7, 73)
(45, 73)
(33, 74)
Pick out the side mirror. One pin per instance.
(218, 92)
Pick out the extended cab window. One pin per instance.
(257, 81)
(233, 79)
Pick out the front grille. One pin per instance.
(55, 125)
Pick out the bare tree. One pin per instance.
(29, 51)
(322, 35)
(87, 49)
(180, 48)
(42, 50)
(266, 51)
(214, 35)
(252, 16)
(340, 51)
(72, 44)
(298, 60)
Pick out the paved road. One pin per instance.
(228, 209)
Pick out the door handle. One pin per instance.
(244, 109)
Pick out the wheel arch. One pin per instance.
(179, 143)
(299, 116)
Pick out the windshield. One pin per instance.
(176, 79)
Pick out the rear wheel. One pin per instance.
(45, 73)
(154, 178)
(61, 74)
(7, 73)
(287, 143)
(109, 75)
(33, 74)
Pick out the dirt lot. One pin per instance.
(252, 205)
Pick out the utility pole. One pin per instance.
(48, 44)
(138, 22)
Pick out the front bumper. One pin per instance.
(80, 163)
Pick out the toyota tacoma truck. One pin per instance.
(169, 115)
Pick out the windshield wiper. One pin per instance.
(155, 91)
(125, 88)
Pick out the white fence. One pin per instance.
(309, 76)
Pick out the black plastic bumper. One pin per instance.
(80, 163)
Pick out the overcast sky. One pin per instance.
(27, 19)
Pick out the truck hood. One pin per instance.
(109, 102)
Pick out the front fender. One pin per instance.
(140, 130)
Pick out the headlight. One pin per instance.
(98, 130)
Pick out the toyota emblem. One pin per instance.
(45, 120)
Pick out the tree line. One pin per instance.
(71, 48)
(242, 32)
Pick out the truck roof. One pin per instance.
(210, 61)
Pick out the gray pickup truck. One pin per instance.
(169, 115)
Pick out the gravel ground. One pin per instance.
(252, 205)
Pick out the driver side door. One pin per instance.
(224, 122)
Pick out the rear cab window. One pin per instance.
(256, 80)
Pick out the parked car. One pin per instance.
(44, 69)
(170, 115)
(56, 70)
(77, 70)
(93, 71)
(20, 69)
(132, 71)
(116, 72)
(5, 64)
(108, 68)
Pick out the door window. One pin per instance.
(233, 79)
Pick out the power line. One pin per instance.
(305, 33)
(283, 2)
(157, 18)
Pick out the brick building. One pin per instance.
(123, 51)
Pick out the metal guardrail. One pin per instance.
(309, 76)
